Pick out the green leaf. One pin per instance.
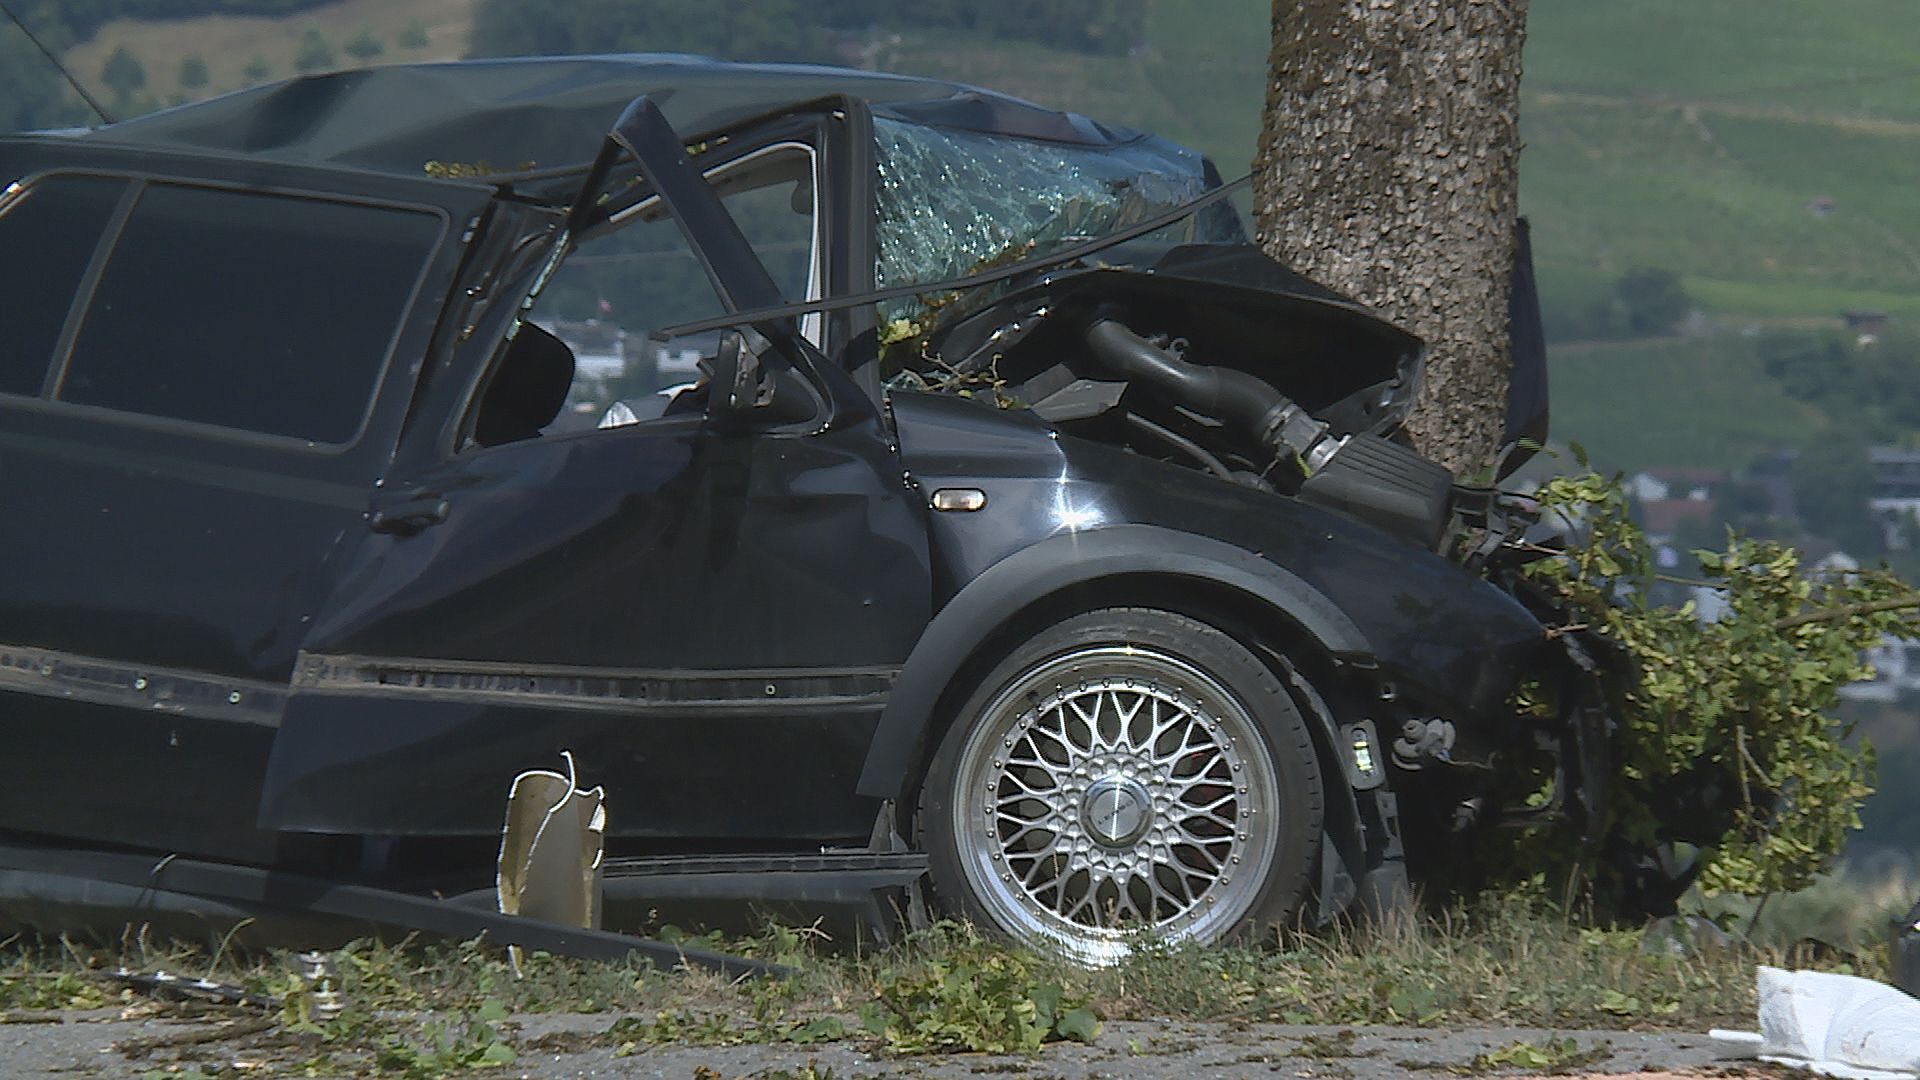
(819, 1029)
(1615, 1003)
(1079, 1024)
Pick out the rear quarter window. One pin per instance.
(266, 313)
(48, 235)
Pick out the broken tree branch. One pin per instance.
(1847, 611)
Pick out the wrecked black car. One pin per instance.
(873, 483)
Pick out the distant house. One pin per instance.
(1667, 496)
(1866, 321)
(1867, 326)
(599, 348)
(1661, 518)
(1896, 671)
(1675, 482)
(1895, 502)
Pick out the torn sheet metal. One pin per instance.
(552, 849)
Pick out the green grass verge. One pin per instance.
(440, 1009)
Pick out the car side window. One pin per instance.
(48, 235)
(271, 314)
(621, 285)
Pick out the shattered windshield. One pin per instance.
(955, 202)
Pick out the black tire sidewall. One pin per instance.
(1259, 691)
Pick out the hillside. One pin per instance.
(231, 44)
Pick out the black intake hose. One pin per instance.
(1368, 477)
(1229, 396)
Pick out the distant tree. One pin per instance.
(1652, 300)
(414, 36)
(193, 72)
(32, 94)
(1832, 481)
(365, 45)
(258, 70)
(314, 54)
(124, 74)
(1809, 365)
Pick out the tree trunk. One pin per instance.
(1386, 170)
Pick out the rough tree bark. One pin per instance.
(1387, 170)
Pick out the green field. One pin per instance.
(1702, 402)
(1199, 82)
(1852, 57)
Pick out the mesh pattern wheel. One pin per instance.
(1127, 772)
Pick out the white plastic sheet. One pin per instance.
(1838, 1025)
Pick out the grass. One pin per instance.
(1700, 401)
(435, 1009)
(229, 43)
(1853, 55)
(1772, 301)
(1200, 82)
(1849, 910)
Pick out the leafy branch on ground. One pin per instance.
(962, 992)
(1727, 735)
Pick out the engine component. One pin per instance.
(1423, 741)
(1369, 477)
(1387, 485)
(1232, 397)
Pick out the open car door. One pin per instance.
(705, 603)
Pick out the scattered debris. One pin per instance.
(316, 971)
(169, 987)
(232, 1029)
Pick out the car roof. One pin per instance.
(481, 117)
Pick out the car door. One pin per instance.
(706, 609)
(208, 368)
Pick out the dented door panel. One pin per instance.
(671, 603)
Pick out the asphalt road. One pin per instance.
(105, 1043)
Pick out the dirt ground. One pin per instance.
(109, 1043)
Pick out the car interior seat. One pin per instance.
(528, 389)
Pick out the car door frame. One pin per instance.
(309, 778)
(115, 730)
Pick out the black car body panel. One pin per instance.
(283, 611)
(1062, 513)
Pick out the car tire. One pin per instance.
(1126, 774)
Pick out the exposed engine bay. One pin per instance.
(1214, 357)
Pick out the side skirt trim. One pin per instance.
(624, 690)
(26, 669)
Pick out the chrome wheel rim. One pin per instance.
(1112, 794)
